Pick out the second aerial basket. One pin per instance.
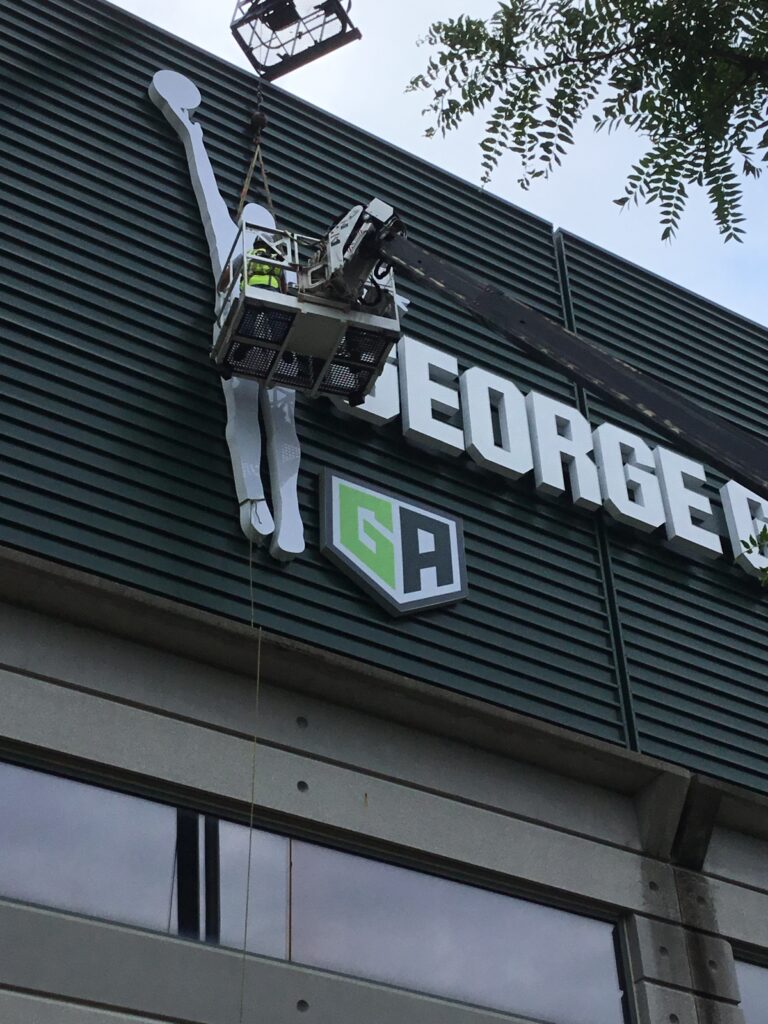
(279, 36)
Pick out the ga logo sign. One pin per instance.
(407, 557)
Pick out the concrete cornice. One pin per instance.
(673, 815)
(84, 599)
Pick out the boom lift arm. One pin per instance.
(733, 451)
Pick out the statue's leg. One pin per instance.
(244, 440)
(284, 454)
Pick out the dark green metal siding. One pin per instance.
(695, 635)
(113, 454)
(708, 353)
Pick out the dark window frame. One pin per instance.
(201, 920)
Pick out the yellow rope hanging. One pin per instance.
(253, 786)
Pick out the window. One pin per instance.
(753, 986)
(268, 890)
(391, 924)
(89, 850)
(86, 849)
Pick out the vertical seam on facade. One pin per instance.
(617, 637)
(603, 549)
(624, 969)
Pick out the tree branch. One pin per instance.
(583, 58)
(755, 65)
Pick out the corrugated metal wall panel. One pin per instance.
(694, 634)
(710, 354)
(697, 649)
(113, 453)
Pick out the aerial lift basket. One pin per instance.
(330, 326)
(278, 36)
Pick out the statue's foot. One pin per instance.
(256, 520)
(288, 541)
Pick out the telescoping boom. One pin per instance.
(346, 281)
(733, 451)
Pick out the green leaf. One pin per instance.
(672, 71)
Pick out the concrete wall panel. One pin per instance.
(218, 766)
(137, 973)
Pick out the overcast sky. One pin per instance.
(365, 83)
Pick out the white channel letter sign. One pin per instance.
(482, 415)
(407, 556)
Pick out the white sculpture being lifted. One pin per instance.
(178, 98)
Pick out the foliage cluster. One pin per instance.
(690, 76)
(759, 546)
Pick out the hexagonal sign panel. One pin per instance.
(408, 557)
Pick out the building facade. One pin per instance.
(235, 789)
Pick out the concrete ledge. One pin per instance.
(41, 648)
(724, 909)
(85, 599)
(129, 971)
(742, 810)
(333, 802)
(658, 789)
(25, 1008)
(736, 857)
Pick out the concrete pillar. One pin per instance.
(681, 976)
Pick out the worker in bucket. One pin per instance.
(260, 274)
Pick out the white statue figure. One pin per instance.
(178, 98)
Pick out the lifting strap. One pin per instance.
(258, 124)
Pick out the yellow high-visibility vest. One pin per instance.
(262, 275)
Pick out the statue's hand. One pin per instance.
(177, 97)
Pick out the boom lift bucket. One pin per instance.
(329, 326)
